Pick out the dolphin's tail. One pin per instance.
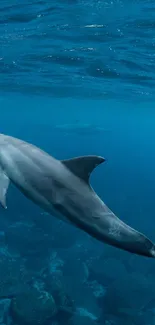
(144, 246)
(152, 251)
(135, 242)
(122, 236)
(148, 247)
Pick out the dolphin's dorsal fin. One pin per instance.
(83, 166)
(4, 184)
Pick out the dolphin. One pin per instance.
(62, 188)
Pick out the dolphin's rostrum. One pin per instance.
(62, 188)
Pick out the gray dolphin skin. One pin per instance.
(62, 188)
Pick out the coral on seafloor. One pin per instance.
(33, 307)
(13, 276)
(47, 283)
(130, 298)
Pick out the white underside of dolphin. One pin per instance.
(62, 188)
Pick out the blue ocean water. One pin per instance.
(77, 78)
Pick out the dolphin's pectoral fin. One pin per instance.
(83, 166)
(4, 184)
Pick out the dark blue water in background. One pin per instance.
(77, 78)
